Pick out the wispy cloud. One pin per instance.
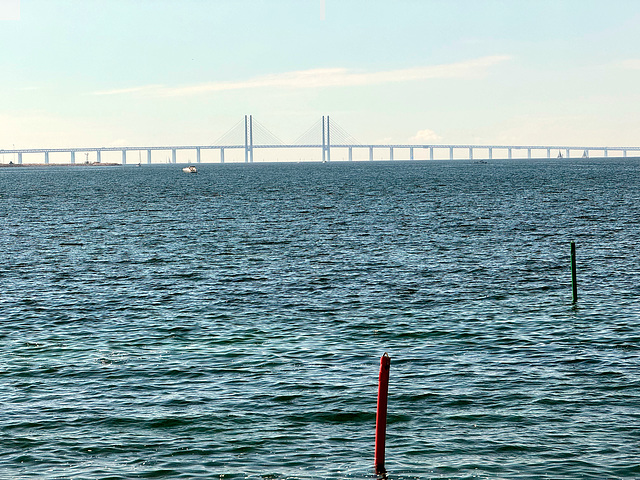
(323, 78)
(146, 89)
(630, 64)
(9, 9)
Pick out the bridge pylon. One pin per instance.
(248, 139)
(326, 140)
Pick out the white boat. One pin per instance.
(190, 169)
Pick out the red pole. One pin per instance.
(381, 414)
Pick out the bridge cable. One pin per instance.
(312, 136)
(262, 135)
(234, 136)
(341, 135)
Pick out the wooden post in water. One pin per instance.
(381, 413)
(574, 282)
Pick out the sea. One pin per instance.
(229, 324)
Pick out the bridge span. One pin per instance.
(260, 138)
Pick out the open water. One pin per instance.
(229, 324)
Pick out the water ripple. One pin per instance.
(230, 324)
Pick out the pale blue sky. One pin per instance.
(157, 72)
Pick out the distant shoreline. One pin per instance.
(93, 164)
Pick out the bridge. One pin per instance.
(323, 136)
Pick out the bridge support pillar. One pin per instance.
(450, 153)
(173, 155)
(98, 156)
(470, 153)
(567, 153)
(606, 153)
(222, 155)
(371, 154)
(529, 153)
(411, 153)
(490, 153)
(149, 157)
(46, 158)
(124, 157)
(198, 155)
(431, 153)
(73, 157)
(510, 155)
(350, 154)
(19, 158)
(624, 154)
(391, 153)
(548, 153)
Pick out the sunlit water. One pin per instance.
(157, 324)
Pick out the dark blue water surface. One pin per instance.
(229, 324)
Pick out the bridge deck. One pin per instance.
(352, 146)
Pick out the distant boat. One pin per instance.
(190, 169)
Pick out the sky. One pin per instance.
(164, 72)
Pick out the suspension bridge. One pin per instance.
(317, 143)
